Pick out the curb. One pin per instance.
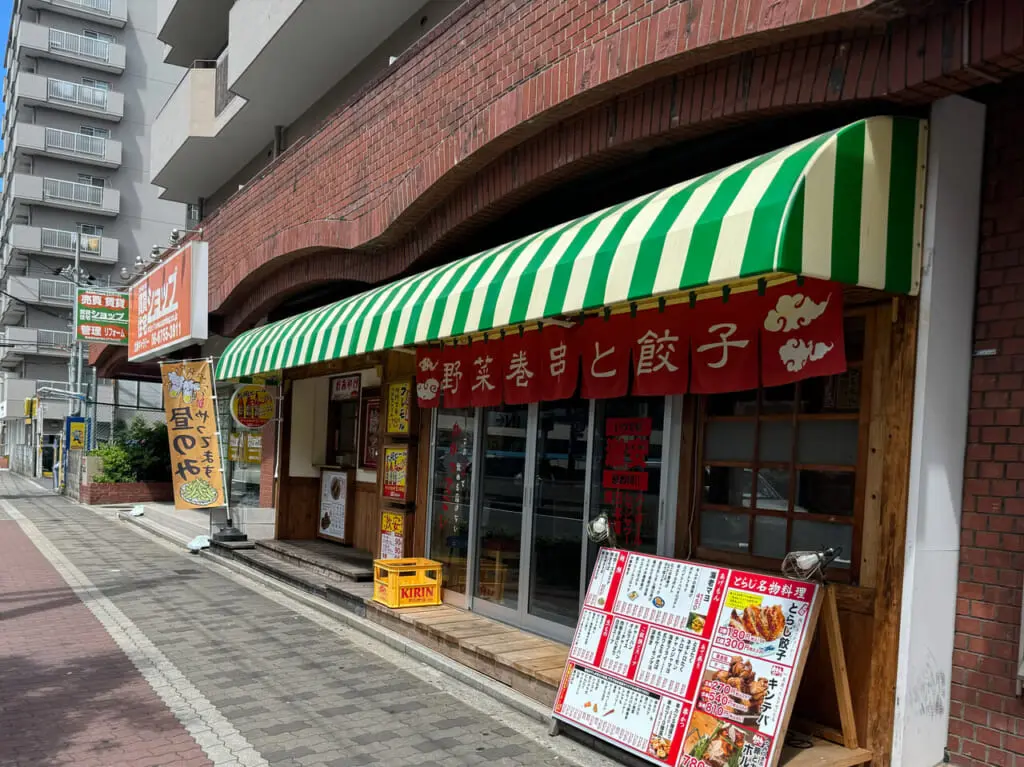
(154, 529)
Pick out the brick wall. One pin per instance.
(127, 492)
(986, 717)
(420, 152)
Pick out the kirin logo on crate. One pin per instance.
(401, 583)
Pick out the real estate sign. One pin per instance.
(101, 316)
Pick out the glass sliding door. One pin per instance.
(556, 533)
(513, 488)
(502, 504)
(626, 481)
(450, 503)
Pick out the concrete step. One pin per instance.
(294, 575)
(324, 560)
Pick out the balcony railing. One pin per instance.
(221, 94)
(61, 385)
(97, 6)
(57, 290)
(79, 45)
(78, 143)
(76, 93)
(56, 339)
(61, 239)
(72, 191)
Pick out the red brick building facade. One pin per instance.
(987, 715)
(504, 101)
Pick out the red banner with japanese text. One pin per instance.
(456, 376)
(605, 346)
(802, 333)
(428, 377)
(524, 358)
(486, 373)
(682, 663)
(191, 410)
(661, 352)
(559, 367)
(723, 343)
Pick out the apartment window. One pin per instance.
(92, 82)
(92, 34)
(780, 467)
(88, 130)
(85, 178)
(92, 230)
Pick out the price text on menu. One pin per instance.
(688, 664)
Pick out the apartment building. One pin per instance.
(263, 77)
(85, 81)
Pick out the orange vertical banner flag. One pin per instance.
(191, 410)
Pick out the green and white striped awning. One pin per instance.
(844, 206)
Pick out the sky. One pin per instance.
(5, 25)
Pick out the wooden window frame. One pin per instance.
(862, 417)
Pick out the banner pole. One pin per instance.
(229, 532)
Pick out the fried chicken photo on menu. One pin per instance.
(740, 677)
(765, 623)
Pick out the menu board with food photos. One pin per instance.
(687, 664)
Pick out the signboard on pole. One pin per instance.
(101, 316)
(688, 664)
(167, 306)
(196, 468)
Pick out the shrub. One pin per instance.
(117, 466)
(138, 452)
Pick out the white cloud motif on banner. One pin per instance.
(793, 312)
(795, 354)
(427, 390)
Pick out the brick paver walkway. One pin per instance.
(68, 694)
(169, 658)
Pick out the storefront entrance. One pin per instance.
(513, 488)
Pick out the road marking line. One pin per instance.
(207, 726)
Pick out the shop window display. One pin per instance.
(780, 467)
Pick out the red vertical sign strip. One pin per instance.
(604, 352)
(802, 333)
(723, 345)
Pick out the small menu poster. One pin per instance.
(687, 664)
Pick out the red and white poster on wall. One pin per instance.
(687, 664)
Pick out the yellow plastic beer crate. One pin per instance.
(412, 582)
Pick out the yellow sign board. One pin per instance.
(253, 452)
(77, 431)
(191, 411)
(398, 419)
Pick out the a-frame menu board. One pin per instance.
(685, 663)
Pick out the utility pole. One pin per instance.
(78, 344)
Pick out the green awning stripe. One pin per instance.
(843, 206)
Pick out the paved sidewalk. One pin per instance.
(68, 695)
(250, 675)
